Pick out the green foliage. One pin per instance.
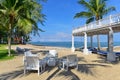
(94, 9)
(4, 53)
(20, 17)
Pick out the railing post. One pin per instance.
(91, 26)
(99, 22)
(85, 27)
(111, 21)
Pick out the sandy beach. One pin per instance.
(91, 67)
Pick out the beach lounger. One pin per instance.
(102, 52)
(18, 49)
(117, 55)
(93, 50)
(33, 63)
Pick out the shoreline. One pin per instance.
(50, 46)
(115, 48)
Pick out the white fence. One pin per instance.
(106, 22)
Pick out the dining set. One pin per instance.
(33, 62)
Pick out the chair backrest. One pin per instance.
(32, 62)
(51, 62)
(53, 53)
(28, 53)
(72, 58)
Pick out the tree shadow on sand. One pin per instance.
(87, 68)
(82, 68)
(103, 59)
(11, 75)
(64, 73)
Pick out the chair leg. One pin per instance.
(77, 67)
(24, 71)
(38, 71)
(44, 67)
(67, 68)
(41, 69)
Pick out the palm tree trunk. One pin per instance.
(9, 40)
(10, 34)
(98, 39)
(0, 40)
(98, 42)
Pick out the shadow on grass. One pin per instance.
(4, 54)
(11, 75)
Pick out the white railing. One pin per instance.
(106, 22)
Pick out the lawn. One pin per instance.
(4, 53)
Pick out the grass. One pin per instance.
(4, 53)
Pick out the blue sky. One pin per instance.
(60, 22)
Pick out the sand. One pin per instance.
(91, 67)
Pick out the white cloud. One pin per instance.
(60, 36)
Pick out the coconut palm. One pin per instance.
(95, 10)
(21, 13)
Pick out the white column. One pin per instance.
(111, 55)
(85, 51)
(73, 48)
(108, 43)
(91, 40)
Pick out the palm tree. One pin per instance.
(21, 13)
(95, 10)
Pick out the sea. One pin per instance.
(69, 44)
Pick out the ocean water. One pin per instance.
(68, 44)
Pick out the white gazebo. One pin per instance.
(106, 26)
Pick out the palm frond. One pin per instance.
(87, 5)
(83, 14)
(90, 20)
(108, 10)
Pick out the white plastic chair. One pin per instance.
(33, 63)
(53, 53)
(71, 60)
(29, 53)
(52, 58)
(51, 62)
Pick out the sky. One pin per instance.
(59, 21)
